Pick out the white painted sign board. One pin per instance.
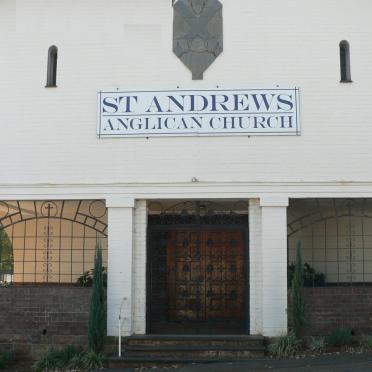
(198, 112)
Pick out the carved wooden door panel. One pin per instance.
(224, 275)
(185, 282)
(206, 276)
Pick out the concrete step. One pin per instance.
(194, 351)
(231, 340)
(156, 350)
(151, 348)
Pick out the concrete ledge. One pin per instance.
(274, 201)
(120, 202)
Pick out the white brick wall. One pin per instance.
(48, 135)
(268, 265)
(127, 231)
(255, 267)
(49, 148)
(274, 265)
(120, 265)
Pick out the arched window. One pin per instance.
(52, 67)
(43, 242)
(336, 240)
(345, 62)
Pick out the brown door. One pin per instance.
(206, 279)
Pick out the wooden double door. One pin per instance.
(199, 281)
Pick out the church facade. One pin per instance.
(199, 143)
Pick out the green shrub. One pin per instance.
(86, 280)
(59, 359)
(6, 262)
(47, 361)
(77, 362)
(69, 352)
(312, 278)
(97, 313)
(69, 358)
(340, 337)
(366, 343)
(5, 359)
(285, 346)
(92, 360)
(317, 345)
(298, 301)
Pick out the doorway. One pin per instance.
(198, 276)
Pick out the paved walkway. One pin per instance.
(332, 363)
(341, 363)
(336, 363)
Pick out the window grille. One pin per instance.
(336, 240)
(50, 241)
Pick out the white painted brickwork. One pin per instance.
(274, 265)
(255, 267)
(127, 44)
(49, 148)
(268, 265)
(139, 274)
(120, 266)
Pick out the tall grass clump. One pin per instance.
(285, 346)
(70, 357)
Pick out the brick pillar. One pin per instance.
(274, 265)
(120, 264)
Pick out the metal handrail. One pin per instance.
(119, 331)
